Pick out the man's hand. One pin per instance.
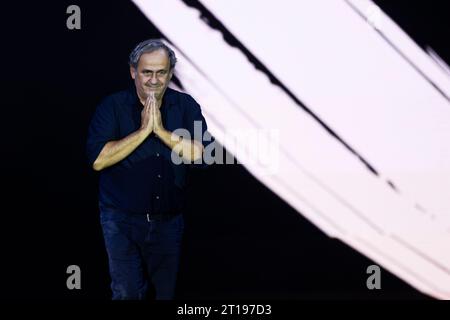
(147, 117)
(156, 115)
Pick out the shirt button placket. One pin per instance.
(160, 187)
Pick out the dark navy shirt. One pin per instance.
(147, 181)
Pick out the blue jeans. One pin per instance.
(141, 250)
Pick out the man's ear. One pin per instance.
(133, 72)
(170, 74)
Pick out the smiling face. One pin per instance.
(153, 74)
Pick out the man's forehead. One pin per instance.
(156, 59)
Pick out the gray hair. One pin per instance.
(151, 45)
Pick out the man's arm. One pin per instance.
(190, 150)
(115, 151)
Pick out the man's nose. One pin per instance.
(153, 79)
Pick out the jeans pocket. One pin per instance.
(112, 221)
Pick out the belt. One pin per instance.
(158, 216)
(162, 216)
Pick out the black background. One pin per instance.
(242, 242)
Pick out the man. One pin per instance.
(141, 196)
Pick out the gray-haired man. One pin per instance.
(142, 191)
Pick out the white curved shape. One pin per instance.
(355, 82)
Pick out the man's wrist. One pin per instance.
(160, 132)
(145, 132)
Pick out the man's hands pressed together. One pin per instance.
(190, 150)
(149, 114)
(147, 117)
(151, 120)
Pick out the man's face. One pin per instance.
(152, 74)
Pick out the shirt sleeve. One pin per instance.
(102, 129)
(197, 127)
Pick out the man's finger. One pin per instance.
(150, 110)
(147, 103)
(150, 98)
